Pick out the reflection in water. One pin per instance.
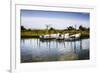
(34, 50)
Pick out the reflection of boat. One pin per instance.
(58, 36)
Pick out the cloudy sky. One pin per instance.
(36, 19)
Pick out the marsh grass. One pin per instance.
(37, 33)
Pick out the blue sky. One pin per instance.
(36, 19)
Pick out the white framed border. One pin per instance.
(16, 66)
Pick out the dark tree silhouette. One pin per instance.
(29, 29)
(70, 28)
(51, 28)
(82, 28)
(23, 28)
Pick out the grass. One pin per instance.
(37, 33)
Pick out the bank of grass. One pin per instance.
(37, 33)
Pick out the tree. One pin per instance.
(51, 29)
(47, 26)
(70, 28)
(82, 28)
(23, 28)
(88, 29)
(29, 29)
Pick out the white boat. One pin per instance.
(50, 36)
(63, 36)
(58, 36)
(54, 35)
(66, 36)
(74, 37)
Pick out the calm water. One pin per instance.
(34, 50)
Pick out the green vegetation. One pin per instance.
(35, 33)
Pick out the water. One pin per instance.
(35, 50)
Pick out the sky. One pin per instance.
(37, 19)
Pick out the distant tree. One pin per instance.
(47, 27)
(23, 28)
(51, 28)
(82, 28)
(70, 28)
(29, 29)
(88, 29)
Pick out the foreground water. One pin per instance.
(35, 50)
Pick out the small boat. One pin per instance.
(76, 35)
(48, 37)
(58, 36)
(73, 37)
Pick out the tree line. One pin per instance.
(68, 28)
